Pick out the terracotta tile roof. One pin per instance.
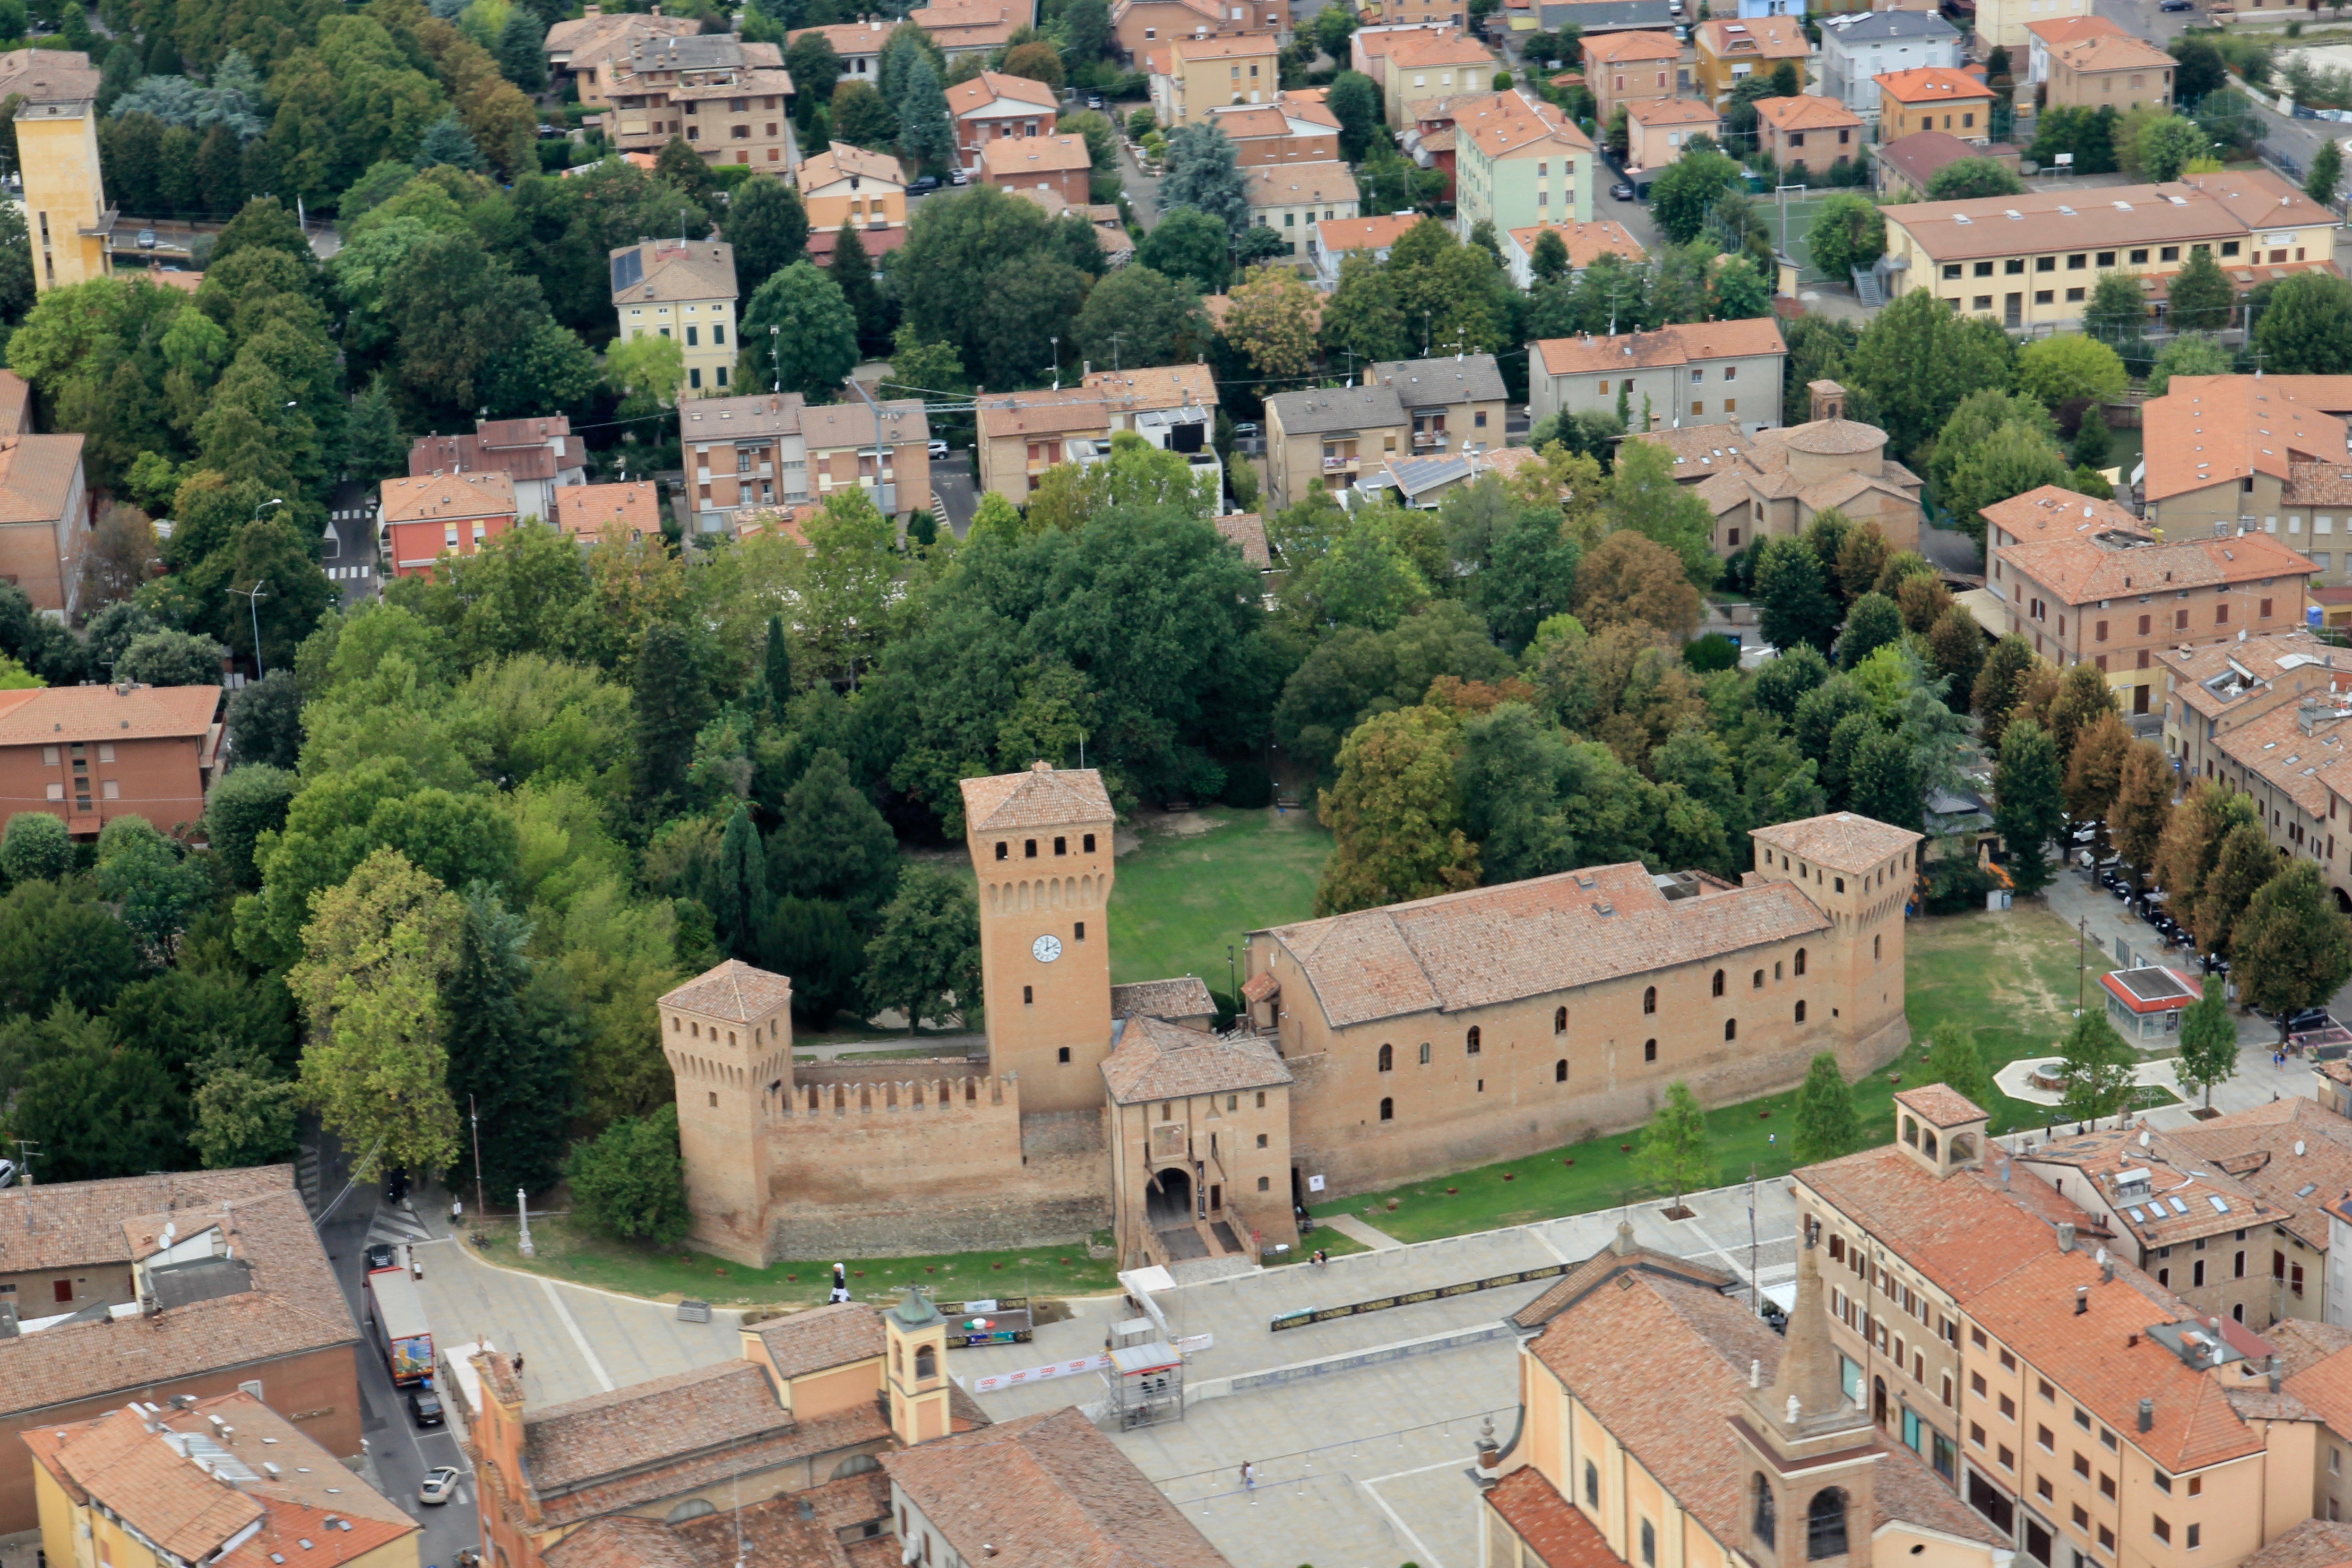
(849, 38)
(696, 270)
(625, 1540)
(994, 87)
(1966, 1233)
(1041, 796)
(2067, 29)
(2104, 1358)
(1933, 84)
(776, 1535)
(1187, 996)
(1247, 121)
(2302, 1343)
(2273, 746)
(1247, 531)
(1706, 446)
(38, 476)
(841, 160)
(1071, 410)
(2079, 571)
(1506, 123)
(1918, 155)
(2262, 200)
(2112, 52)
(2210, 429)
(464, 453)
(15, 404)
(2217, 677)
(1557, 1532)
(578, 33)
(1807, 111)
(1047, 1491)
(1231, 48)
(56, 715)
(2314, 1544)
(1770, 38)
(1491, 945)
(1586, 242)
(292, 1306)
(2051, 509)
(1156, 386)
(1298, 185)
(48, 76)
(1940, 1106)
(438, 497)
(1613, 48)
(1842, 840)
(1342, 234)
(2179, 1207)
(762, 415)
(1982, 226)
(1154, 1059)
(835, 1335)
(590, 512)
(1010, 157)
(72, 1224)
(1445, 49)
(1670, 111)
(1667, 345)
(1597, 1270)
(2258, 1147)
(859, 1428)
(2324, 1388)
(733, 991)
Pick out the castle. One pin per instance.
(1377, 1047)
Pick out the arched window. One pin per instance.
(1388, 1058)
(1801, 1011)
(1592, 1484)
(692, 1508)
(1911, 1132)
(855, 1465)
(927, 1363)
(1825, 1525)
(1471, 1040)
(1718, 982)
(1560, 1070)
(1927, 1141)
(1649, 1050)
(1800, 961)
(1757, 983)
(1964, 1146)
(1873, 949)
(1732, 1028)
(1560, 1020)
(1766, 1523)
(1388, 1110)
(1650, 999)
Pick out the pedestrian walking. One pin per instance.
(1249, 1477)
(518, 1364)
(840, 1284)
(456, 1213)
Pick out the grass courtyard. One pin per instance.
(1193, 887)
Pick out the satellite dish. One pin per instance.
(2143, 1139)
(171, 1230)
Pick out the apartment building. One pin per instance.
(1453, 403)
(2267, 453)
(1022, 434)
(1861, 47)
(1692, 375)
(436, 514)
(1368, 46)
(45, 513)
(885, 452)
(2044, 36)
(1625, 67)
(1192, 76)
(1137, 27)
(1657, 129)
(705, 88)
(1932, 99)
(846, 184)
(742, 454)
(88, 754)
(1434, 65)
(1730, 52)
(683, 289)
(1326, 439)
(1584, 242)
(2213, 690)
(2114, 599)
(973, 31)
(1518, 160)
(1293, 129)
(2052, 511)
(582, 47)
(2106, 71)
(992, 106)
(857, 44)
(1808, 132)
(539, 455)
(1294, 198)
(620, 512)
(1061, 164)
(2035, 258)
(2004, 23)
(1336, 240)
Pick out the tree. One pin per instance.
(799, 330)
(630, 1183)
(1644, 496)
(1088, 23)
(861, 116)
(249, 800)
(2094, 771)
(2013, 460)
(648, 369)
(1795, 606)
(2191, 844)
(831, 843)
(521, 49)
(2305, 328)
(167, 658)
(1847, 235)
(2191, 353)
(2290, 949)
(96, 1108)
(1680, 198)
(2326, 174)
(1137, 315)
(768, 228)
(1674, 1153)
(447, 143)
(1038, 61)
(2097, 1067)
(58, 943)
(814, 68)
(925, 132)
(1917, 359)
(852, 272)
(2143, 804)
(2068, 365)
(1872, 623)
(1550, 261)
(1202, 172)
(1272, 321)
(1956, 646)
(2201, 298)
(153, 889)
(737, 891)
(2169, 143)
(2028, 803)
(376, 1069)
(243, 1116)
(1999, 684)
(1883, 781)
(1826, 1126)
(672, 701)
(925, 958)
(1965, 178)
(1955, 1061)
(510, 1048)
(1627, 578)
(2201, 69)
(1354, 99)
(35, 847)
(2209, 1042)
(1188, 243)
(2084, 698)
(1394, 815)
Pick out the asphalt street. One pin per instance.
(398, 1453)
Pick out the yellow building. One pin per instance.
(683, 289)
(846, 184)
(65, 197)
(224, 1482)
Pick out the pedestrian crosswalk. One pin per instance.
(396, 1225)
(350, 574)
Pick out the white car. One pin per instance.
(938, 450)
(440, 1484)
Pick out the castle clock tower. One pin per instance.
(1041, 842)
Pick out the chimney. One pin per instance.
(2148, 1415)
(2066, 1235)
(2276, 1372)
(2082, 1300)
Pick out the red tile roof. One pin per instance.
(436, 497)
(1842, 840)
(1610, 49)
(1933, 84)
(1667, 345)
(734, 991)
(1806, 111)
(1965, 1233)
(2079, 571)
(60, 715)
(1041, 796)
(1556, 1532)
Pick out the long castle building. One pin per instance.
(1376, 1047)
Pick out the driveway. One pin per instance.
(951, 481)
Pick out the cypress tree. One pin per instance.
(738, 896)
(776, 671)
(1826, 1124)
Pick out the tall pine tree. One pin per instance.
(1826, 1124)
(776, 669)
(738, 894)
(853, 273)
(672, 703)
(511, 1039)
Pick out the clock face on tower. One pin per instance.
(1046, 949)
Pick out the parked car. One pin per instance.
(922, 185)
(382, 1255)
(7, 1172)
(426, 1406)
(958, 177)
(2309, 1018)
(146, 239)
(1621, 191)
(938, 450)
(1246, 430)
(2178, 5)
(1094, 100)
(440, 1484)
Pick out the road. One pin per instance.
(398, 1454)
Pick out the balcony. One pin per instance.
(1335, 464)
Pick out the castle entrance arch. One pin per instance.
(1169, 1201)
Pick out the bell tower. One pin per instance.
(916, 1372)
(728, 1035)
(1041, 842)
